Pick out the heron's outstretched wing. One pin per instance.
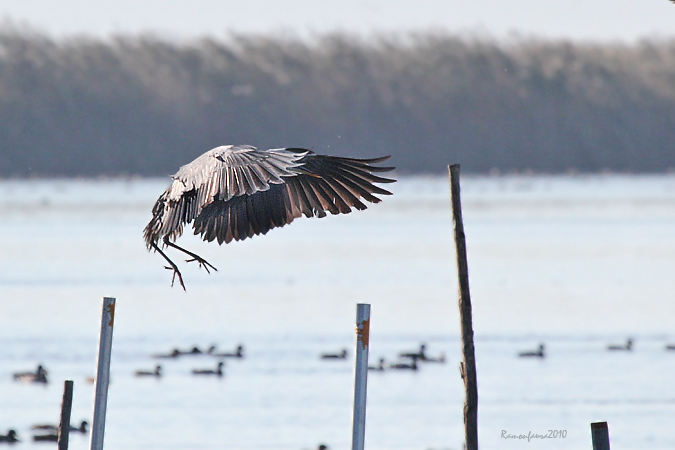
(318, 185)
(218, 175)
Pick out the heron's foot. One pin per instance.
(176, 272)
(202, 263)
(195, 257)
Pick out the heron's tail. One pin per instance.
(152, 231)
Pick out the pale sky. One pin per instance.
(603, 20)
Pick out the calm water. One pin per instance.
(573, 262)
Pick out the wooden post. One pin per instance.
(66, 408)
(468, 366)
(102, 374)
(600, 435)
(361, 375)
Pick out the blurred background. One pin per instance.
(500, 86)
(561, 114)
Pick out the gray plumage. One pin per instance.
(236, 192)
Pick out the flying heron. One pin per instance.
(236, 192)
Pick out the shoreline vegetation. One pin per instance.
(141, 105)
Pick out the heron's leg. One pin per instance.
(202, 262)
(173, 266)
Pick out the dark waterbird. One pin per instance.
(39, 376)
(175, 353)
(10, 438)
(341, 355)
(422, 356)
(146, 373)
(237, 192)
(217, 372)
(379, 367)
(80, 429)
(197, 351)
(53, 432)
(239, 353)
(628, 346)
(535, 354)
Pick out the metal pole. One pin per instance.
(468, 366)
(361, 375)
(600, 435)
(102, 374)
(66, 408)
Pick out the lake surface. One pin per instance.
(574, 262)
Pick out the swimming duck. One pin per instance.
(175, 353)
(144, 373)
(197, 351)
(341, 355)
(536, 354)
(239, 353)
(422, 356)
(73, 429)
(218, 372)
(11, 437)
(39, 376)
(418, 354)
(628, 346)
(379, 367)
(81, 429)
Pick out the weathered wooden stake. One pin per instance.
(361, 375)
(468, 366)
(600, 435)
(102, 374)
(66, 408)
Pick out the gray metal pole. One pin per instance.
(600, 435)
(361, 375)
(66, 408)
(468, 366)
(102, 374)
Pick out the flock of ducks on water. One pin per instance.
(409, 361)
(194, 351)
(625, 347)
(49, 433)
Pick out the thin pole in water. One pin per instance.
(66, 408)
(102, 373)
(600, 435)
(468, 366)
(361, 375)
